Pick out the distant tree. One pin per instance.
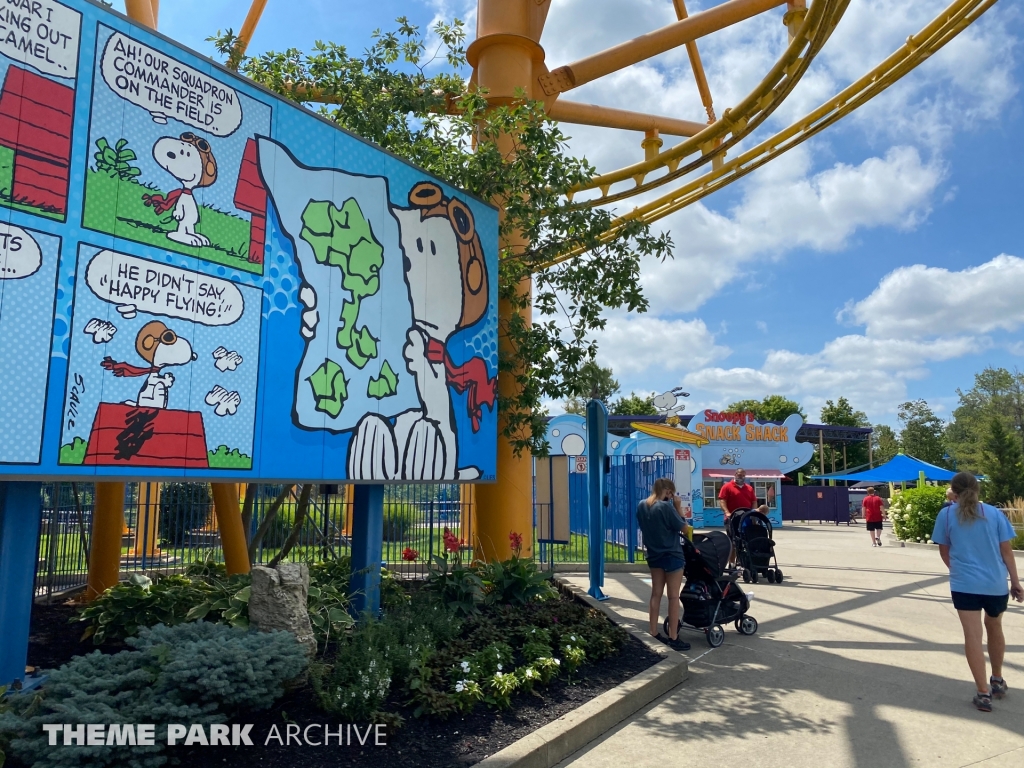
(593, 380)
(1003, 463)
(995, 391)
(772, 408)
(634, 405)
(885, 443)
(922, 432)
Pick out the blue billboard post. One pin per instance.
(20, 510)
(597, 453)
(367, 543)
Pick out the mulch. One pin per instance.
(419, 743)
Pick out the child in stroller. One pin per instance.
(751, 534)
(709, 597)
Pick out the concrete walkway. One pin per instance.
(858, 662)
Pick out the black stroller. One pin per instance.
(710, 598)
(751, 534)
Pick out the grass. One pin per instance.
(1015, 512)
(73, 452)
(7, 187)
(223, 458)
(115, 206)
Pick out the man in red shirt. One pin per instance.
(736, 494)
(873, 515)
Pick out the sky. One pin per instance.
(881, 261)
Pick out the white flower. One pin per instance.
(465, 666)
(499, 667)
(529, 672)
(498, 675)
(558, 662)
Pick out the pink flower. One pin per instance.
(516, 540)
(451, 544)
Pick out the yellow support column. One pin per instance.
(105, 545)
(147, 523)
(229, 520)
(506, 57)
(349, 506)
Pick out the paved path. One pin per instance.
(857, 663)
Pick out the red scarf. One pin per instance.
(471, 376)
(126, 369)
(163, 204)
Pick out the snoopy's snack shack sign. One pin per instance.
(201, 280)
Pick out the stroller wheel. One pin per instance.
(771, 577)
(746, 625)
(664, 625)
(746, 575)
(715, 635)
(753, 575)
(778, 575)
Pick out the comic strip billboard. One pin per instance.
(199, 279)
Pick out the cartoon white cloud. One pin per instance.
(101, 331)
(225, 360)
(127, 311)
(224, 403)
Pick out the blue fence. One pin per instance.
(630, 479)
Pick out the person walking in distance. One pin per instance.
(871, 509)
(974, 543)
(736, 494)
(661, 522)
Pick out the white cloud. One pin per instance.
(225, 360)
(635, 345)
(918, 301)
(224, 403)
(784, 206)
(101, 331)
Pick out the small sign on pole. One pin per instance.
(682, 454)
(581, 465)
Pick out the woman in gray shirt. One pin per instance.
(661, 522)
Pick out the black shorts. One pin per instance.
(874, 526)
(993, 605)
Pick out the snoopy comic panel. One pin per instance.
(390, 296)
(163, 367)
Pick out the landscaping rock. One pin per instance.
(278, 601)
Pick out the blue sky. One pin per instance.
(880, 261)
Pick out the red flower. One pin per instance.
(451, 544)
(516, 540)
(409, 554)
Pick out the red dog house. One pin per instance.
(251, 196)
(126, 435)
(36, 115)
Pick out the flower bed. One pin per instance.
(479, 653)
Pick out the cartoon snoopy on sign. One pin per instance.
(189, 159)
(442, 249)
(161, 347)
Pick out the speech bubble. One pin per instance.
(43, 34)
(19, 253)
(165, 87)
(160, 289)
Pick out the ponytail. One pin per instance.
(968, 508)
(661, 485)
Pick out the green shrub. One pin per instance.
(914, 510)
(460, 589)
(398, 521)
(204, 592)
(184, 508)
(191, 673)
(516, 581)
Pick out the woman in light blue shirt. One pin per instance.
(974, 543)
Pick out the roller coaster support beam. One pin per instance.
(608, 117)
(646, 46)
(696, 65)
(507, 58)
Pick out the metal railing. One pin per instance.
(169, 526)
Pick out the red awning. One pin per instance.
(752, 474)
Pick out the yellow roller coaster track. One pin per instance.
(919, 47)
(736, 122)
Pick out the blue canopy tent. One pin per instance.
(899, 469)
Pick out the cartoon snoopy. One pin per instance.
(190, 160)
(442, 249)
(159, 346)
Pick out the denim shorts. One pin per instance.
(667, 563)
